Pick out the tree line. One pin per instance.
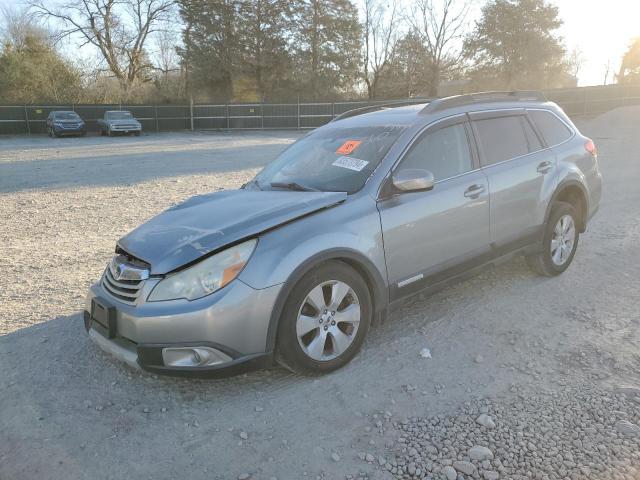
(169, 51)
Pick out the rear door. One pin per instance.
(427, 234)
(519, 169)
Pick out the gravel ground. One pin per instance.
(541, 361)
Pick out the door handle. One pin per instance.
(544, 167)
(474, 191)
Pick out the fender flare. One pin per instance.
(371, 274)
(561, 186)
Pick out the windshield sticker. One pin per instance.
(351, 163)
(348, 147)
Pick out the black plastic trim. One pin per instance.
(380, 295)
(237, 366)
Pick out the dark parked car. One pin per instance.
(61, 123)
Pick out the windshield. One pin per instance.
(65, 116)
(331, 159)
(119, 115)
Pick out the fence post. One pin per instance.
(333, 110)
(262, 115)
(298, 112)
(191, 111)
(226, 109)
(26, 119)
(155, 109)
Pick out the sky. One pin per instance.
(601, 29)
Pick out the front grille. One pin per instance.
(126, 291)
(125, 127)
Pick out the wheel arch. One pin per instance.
(574, 193)
(361, 264)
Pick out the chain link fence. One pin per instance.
(27, 119)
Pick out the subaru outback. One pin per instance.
(379, 204)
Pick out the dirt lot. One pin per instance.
(542, 359)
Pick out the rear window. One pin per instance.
(502, 138)
(551, 127)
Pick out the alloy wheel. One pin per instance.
(563, 239)
(328, 320)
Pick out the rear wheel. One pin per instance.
(325, 320)
(559, 243)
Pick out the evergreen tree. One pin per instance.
(327, 48)
(514, 46)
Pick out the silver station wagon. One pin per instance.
(381, 203)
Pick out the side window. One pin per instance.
(501, 138)
(532, 138)
(444, 152)
(553, 130)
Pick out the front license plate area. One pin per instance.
(104, 313)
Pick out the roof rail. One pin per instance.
(373, 108)
(480, 97)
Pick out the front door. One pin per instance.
(428, 234)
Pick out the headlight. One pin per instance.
(205, 277)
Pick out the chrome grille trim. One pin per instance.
(126, 291)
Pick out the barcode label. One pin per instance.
(351, 163)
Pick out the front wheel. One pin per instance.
(324, 320)
(559, 243)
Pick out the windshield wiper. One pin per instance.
(293, 186)
(252, 182)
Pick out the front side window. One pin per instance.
(502, 138)
(443, 152)
(331, 159)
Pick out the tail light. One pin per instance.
(590, 147)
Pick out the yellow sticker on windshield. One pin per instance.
(348, 147)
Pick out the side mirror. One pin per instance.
(413, 180)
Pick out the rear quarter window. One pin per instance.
(551, 127)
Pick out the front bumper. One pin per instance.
(233, 321)
(69, 131)
(125, 128)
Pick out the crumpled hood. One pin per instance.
(206, 223)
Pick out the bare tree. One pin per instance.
(119, 29)
(380, 32)
(441, 25)
(575, 62)
(607, 71)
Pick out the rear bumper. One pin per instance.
(232, 324)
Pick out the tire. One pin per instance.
(551, 262)
(329, 345)
(137, 134)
